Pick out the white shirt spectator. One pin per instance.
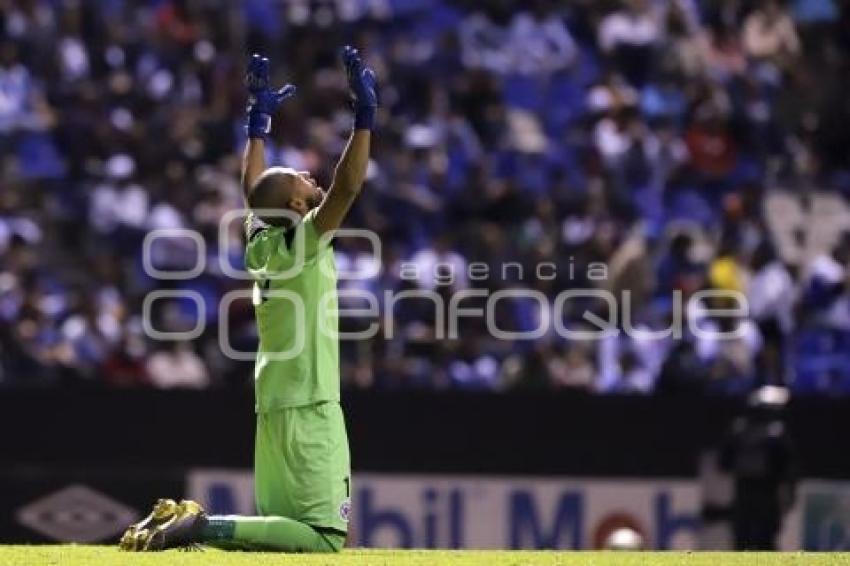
(632, 28)
(358, 271)
(483, 44)
(73, 58)
(179, 368)
(739, 347)
(541, 45)
(771, 294)
(644, 355)
(770, 35)
(20, 227)
(164, 216)
(610, 95)
(15, 93)
(614, 140)
(825, 267)
(830, 272)
(433, 267)
(112, 206)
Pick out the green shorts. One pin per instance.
(302, 468)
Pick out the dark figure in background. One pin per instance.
(759, 456)
(771, 298)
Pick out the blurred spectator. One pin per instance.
(769, 34)
(438, 265)
(573, 368)
(177, 365)
(725, 58)
(629, 37)
(711, 146)
(541, 147)
(759, 454)
(771, 295)
(825, 296)
(540, 42)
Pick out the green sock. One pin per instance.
(218, 528)
(269, 533)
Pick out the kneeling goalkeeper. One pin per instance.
(302, 470)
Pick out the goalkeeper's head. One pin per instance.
(281, 189)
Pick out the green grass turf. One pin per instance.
(73, 555)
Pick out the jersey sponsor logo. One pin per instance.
(345, 510)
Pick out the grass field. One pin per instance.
(73, 555)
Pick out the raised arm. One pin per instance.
(253, 163)
(351, 169)
(262, 103)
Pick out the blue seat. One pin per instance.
(564, 104)
(39, 158)
(811, 342)
(809, 380)
(689, 205)
(523, 92)
(648, 202)
(818, 361)
(587, 68)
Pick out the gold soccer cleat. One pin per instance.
(183, 530)
(137, 534)
(179, 529)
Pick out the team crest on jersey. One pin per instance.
(345, 510)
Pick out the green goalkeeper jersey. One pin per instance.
(295, 302)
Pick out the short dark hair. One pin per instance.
(266, 194)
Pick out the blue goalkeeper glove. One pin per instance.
(362, 84)
(263, 101)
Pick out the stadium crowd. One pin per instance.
(532, 140)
